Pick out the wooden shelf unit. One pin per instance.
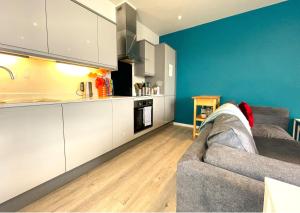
(201, 101)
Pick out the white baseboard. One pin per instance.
(183, 124)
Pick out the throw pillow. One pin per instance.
(230, 131)
(247, 111)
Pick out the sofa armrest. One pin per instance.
(205, 188)
(194, 152)
(252, 165)
(280, 149)
(197, 149)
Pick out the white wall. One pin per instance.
(104, 7)
(143, 32)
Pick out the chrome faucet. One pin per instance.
(9, 71)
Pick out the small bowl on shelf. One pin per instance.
(203, 115)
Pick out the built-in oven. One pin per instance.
(143, 114)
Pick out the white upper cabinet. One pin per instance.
(123, 122)
(146, 67)
(72, 30)
(63, 30)
(31, 148)
(23, 24)
(88, 131)
(170, 70)
(105, 8)
(107, 41)
(149, 59)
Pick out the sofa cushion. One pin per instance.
(247, 111)
(270, 131)
(285, 150)
(251, 165)
(270, 115)
(230, 131)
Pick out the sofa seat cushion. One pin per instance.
(270, 131)
(280, 149)
(229, 130)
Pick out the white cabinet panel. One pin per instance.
(149, 59)
(105, 8)
(88, 131)
(146, 67)
(107, 41)
(170, 70)
(72, 30)
(23, 24)
(123, 122)
(158, 111)
(169, 108)
(31, 148)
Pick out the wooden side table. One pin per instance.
(296, 129)
(200, 101)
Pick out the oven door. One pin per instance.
(139, 119)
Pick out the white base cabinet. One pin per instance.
(123, 122)
(158, 111)
(88, 131)
(31, 148)
(169, 108)
(38, 143)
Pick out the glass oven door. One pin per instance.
(138, 119)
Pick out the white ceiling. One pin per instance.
(161, 15)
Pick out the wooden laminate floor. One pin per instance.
(141, 179)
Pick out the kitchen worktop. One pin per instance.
(20, 102)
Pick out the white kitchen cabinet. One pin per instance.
(107, 41)
(31, 148)
(72, 30)
(169, 108)
(165, 69)
(170, 70)
(23, 24)
(158, 111)
(146, 65)
(105, 8)
(88, 131)
(123, 122)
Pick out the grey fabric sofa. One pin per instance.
(221, 178)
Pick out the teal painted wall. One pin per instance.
(253, 57)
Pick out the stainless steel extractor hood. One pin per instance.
(126, 34)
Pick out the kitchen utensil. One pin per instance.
(81, 90)
(89, 89)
